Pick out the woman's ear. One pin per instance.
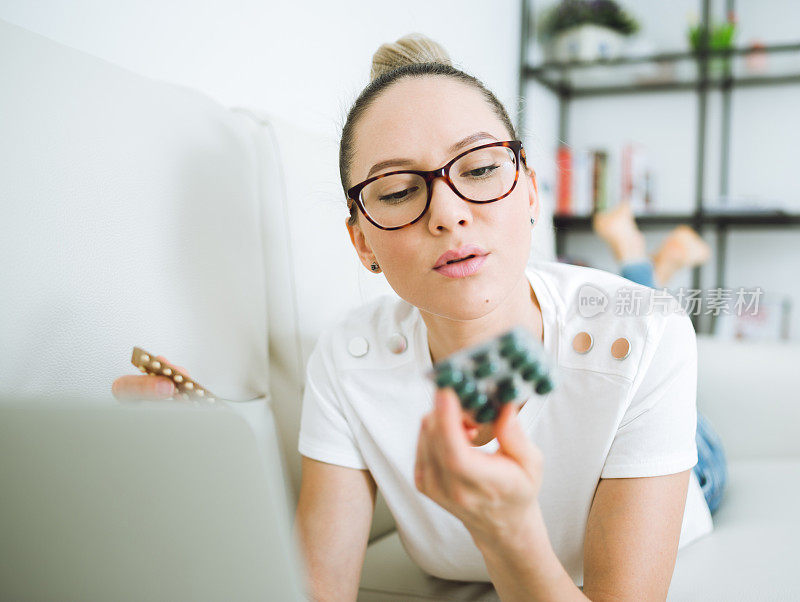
(360, 243)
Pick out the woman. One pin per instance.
(587, 487)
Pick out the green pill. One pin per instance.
(509, 337)
(449, 378)
(544, 386)
(444, 366)
(511, 349)
(474, 400)
(517, 360)
(506, 381)
(532, 370)
(465, 387)
(485, 369)
(480, 357)
(506, 394)
(486, 414)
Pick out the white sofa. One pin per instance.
(136, 212)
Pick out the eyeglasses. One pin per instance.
(483, 174)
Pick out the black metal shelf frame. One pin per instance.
(551, 74)
(738, 220)
(699, 218)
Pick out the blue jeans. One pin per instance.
(711, 468)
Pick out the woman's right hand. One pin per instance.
(145, 386)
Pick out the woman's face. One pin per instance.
(420, 119)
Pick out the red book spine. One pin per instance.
(564, 196)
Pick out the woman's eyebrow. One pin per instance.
(389, 163)
(469, 140)
(453, 149)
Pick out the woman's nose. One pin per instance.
(447, 209)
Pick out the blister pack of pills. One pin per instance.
(506, 369)
(185, 387)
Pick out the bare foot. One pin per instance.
(682, 248)
(617, 227)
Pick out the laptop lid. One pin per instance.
(153, 500)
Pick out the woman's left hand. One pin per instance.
(494, 495)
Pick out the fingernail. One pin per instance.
(164, 387)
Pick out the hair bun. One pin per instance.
(410, 49)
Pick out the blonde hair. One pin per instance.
(410, 49)
(413, 55)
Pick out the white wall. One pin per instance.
(305, 60)
(765, 127)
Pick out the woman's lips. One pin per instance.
(459, 254)
(463, 268)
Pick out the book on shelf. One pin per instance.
(637, 178)
(582, 202)
(564, 189)
(582, 181)
(599, 181)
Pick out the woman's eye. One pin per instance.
(397, 196)
(481, 172)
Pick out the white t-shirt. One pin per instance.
(606, 418)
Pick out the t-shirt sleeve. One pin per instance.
(657, 433)
(325, 433)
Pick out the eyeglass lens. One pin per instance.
(484, 174)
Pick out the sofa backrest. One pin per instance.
(130, 216)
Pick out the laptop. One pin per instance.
(150, 500)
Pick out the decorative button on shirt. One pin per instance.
(358, 347)
(621, 348)
(582, 342)
(397, 343)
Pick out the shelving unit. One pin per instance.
(565, 80)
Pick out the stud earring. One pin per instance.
(374, 267)
(531, 221)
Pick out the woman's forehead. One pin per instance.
(421, 119)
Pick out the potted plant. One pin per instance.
(585, 30)
(720, 37)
